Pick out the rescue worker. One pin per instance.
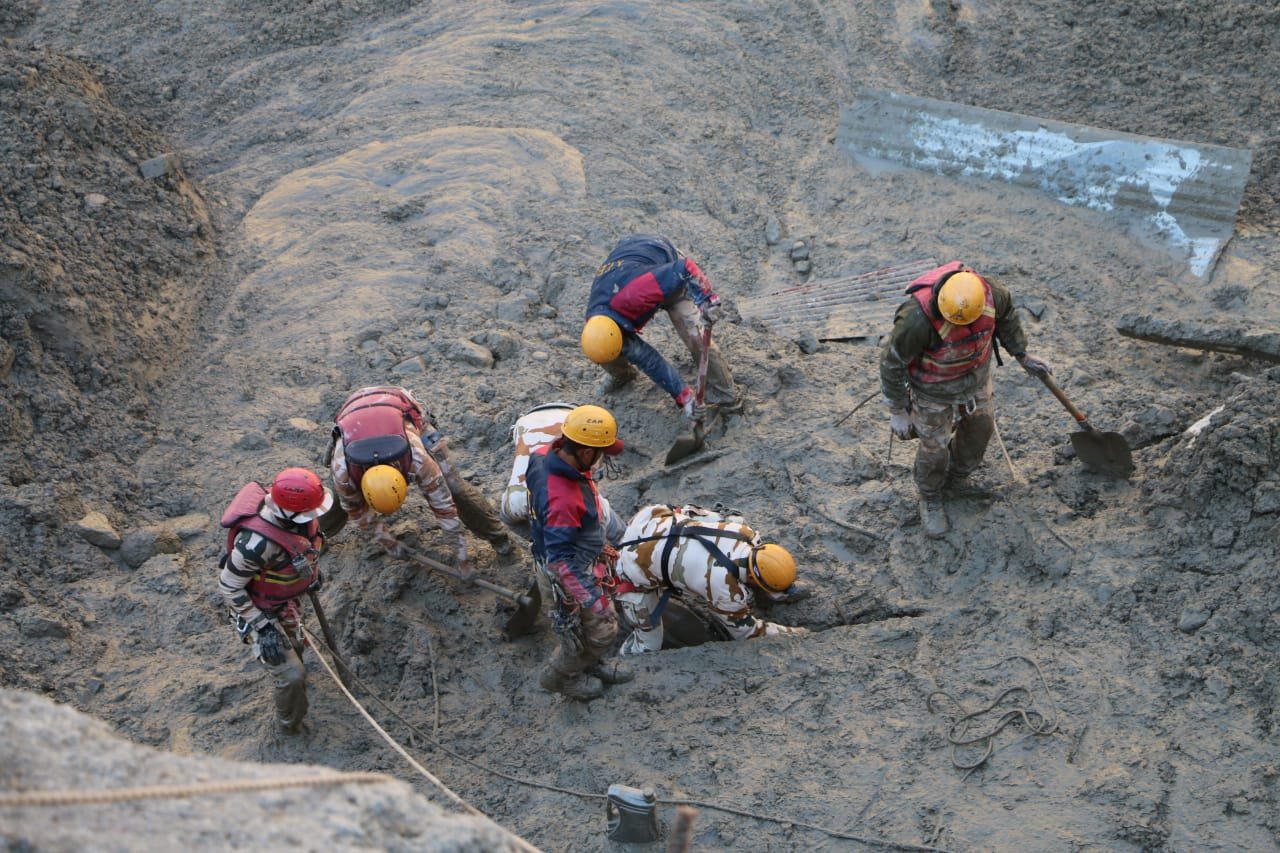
(273, 544)
(642, 274)
(935, 373)
(715, 556)
(537, 427)
(383, 439)
(572, 556)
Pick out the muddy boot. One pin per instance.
(578, 686)
(933, 517)
(613, 671)
(615, 382)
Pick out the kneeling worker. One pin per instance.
(717, 557)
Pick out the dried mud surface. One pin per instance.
(418, 193)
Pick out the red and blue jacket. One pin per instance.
(643, 273)
(565, 519)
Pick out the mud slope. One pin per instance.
(418, 193)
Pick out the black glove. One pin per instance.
(270, 645)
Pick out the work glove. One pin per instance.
(711, 310)
(693, 411)
(387, 540)
(1034, 366)
(900, 424)
(270, 645)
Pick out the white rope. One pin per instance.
(463, 804)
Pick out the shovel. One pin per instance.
(687, 445)
(1105, 452)
(442, 568)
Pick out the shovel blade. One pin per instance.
(686, 445)
(525, 619)
(1105, 452)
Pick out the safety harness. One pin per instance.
(687, 530)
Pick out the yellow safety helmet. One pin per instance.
(384, 488)
(601, 339)
(592, 426)
(962, 298)
(772, 567)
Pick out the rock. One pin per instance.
(1192, 620)
(93, 202)
(34, 625)
(513, 307)
(303, 424)
(472, 353)
(539, 355)
(799, 251)
(1266, 497)
(156, 167)
(803, 267)
(502, 345)
(95, 529)
(253, 440)
(807, 342)
(772, 231)
(140, 545)
(414, 366)
(190, 525)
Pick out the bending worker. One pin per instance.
(383, 439)
(935, 373)
(642, 274)
(690, 550)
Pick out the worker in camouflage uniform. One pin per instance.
(935, 373)
(572, 554)
(270, 559)
(642, 274)
(691, 551)
(383, 439)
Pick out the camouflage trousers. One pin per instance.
(476, 512)
(953, 439)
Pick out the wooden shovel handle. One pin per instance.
(437, 566)
(1062, 398)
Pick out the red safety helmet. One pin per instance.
(299, 495)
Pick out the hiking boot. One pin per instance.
(611, 384)
(933, 518)
(577, 686)
(613, 672)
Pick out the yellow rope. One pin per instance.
(157, 792)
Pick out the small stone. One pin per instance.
(539, 355)
(303, 424)
(799, 250)
(93, 202)
(1223, 537)
(252, 441)
(410, 367)
(190, 525)
(808, 343)
(95, 529)
(473, 354)
(803, 267)
(157, 167)
(1192, 620)
(772, 230)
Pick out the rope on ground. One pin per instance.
(463, 804)
(1035, 720)
(587, 795)
(195, 789)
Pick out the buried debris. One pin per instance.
(1264, 346)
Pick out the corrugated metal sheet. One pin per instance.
(856, 306)
(1187, 193)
